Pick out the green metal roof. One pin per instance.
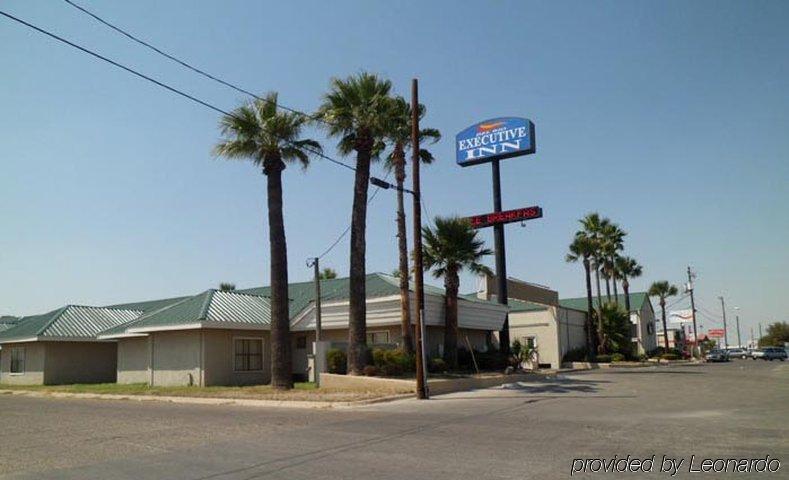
(637, 300)
(71, 321)
(8, 321)
(377, 285)
(515, 304)
(209, 306)
(149, 305)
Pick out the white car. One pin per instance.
(737, 353)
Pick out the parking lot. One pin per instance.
(529, 430)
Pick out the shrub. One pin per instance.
(437, 365)
(491, 360)
(336, 361)
(370, 370)
(603, 359)
(393, 362)
(576, 355)
(670, 356)
(617, 357)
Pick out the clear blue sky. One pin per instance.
(669, 117)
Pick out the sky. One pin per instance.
(671, 118)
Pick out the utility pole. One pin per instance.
(725, 330)
(737, 320)
(691, 276)
(751, 337)
(419, 287)
(760, 332)
(315, 264)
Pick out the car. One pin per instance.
(770, 353)
(737, 353)
(717, 355)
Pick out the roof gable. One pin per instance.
(71, 321)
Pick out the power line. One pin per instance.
(348, 228)
(159, 83)
(197, 70)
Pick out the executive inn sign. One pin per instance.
(492, 139)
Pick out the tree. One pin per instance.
(663, 290)
(227, 287)
(327, 274)
(593, 225)
(627, 268)
(357, 110)
(615, 324)
(450, 248)
(400, 135)
(257, 131)
(611, 243)
(583, 249)
(777, 335)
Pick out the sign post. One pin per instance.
(492, 141)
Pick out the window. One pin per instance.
(18, 360)
(530, 342)
(301, 342)
(377, 338)
(248, 354)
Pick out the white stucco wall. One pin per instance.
(645, 324)
(542, 325)
(134, 358)
(219, 358)
(34, 364)
(176, 357)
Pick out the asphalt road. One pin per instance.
(530, 430)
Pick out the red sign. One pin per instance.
(716, 333)
(509, 216)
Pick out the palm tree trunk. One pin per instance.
(451, 284)
(357, 309)
(607, 289)
(402, 246)
(599, 310)
(626, 288)
(281, 362)
(590, 308)
(665, 328)
(616, 293)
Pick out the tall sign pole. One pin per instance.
(492, 141)
(501, 255)
(419, 286)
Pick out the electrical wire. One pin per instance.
(159, 83)
(183, 63)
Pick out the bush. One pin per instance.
(437, 365)
(670, 356)
(393, 362)
(370, 370)
(336, 361)
(491, 360)
(603, 359)
(576, 355)
(617, 357)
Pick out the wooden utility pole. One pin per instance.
(691, 275)
(317, 273)
(419, 292)
(725, 330)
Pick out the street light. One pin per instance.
(421, 380)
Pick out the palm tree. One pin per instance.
(448, 249)
(357, 110)
(269, 138)
(583, 248)
(611, 243)
(663, 290)
(593, 225)
(400, 135)
(627, 268)
(327, 274)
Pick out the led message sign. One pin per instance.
(509, 216)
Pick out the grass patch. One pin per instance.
(303, 391)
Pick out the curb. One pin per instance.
(244, 402)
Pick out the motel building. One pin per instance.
(539, 318)
(218, 337)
